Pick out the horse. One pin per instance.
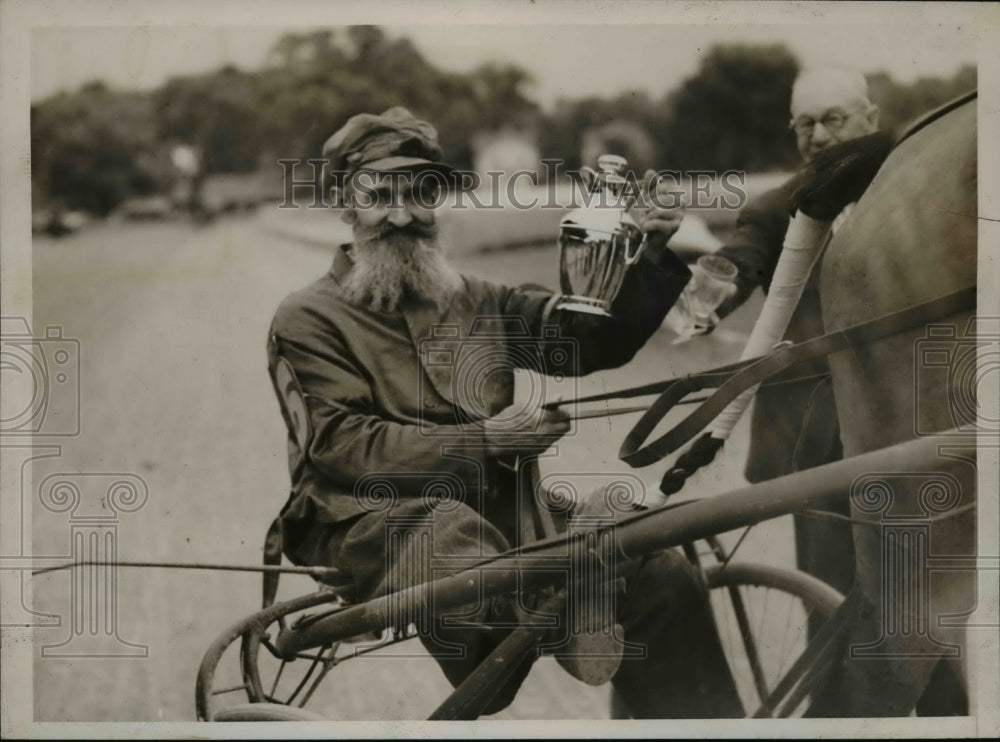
(911, 237)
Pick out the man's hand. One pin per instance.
(517, 431)
(659, 212)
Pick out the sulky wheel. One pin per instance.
(763, 615)
(266, 712)
(216, 682)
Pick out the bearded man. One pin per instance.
(368, 412)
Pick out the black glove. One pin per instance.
(839, 175)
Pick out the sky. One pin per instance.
(565, 60)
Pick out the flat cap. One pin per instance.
(392, 140)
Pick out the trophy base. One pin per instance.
(583, 305)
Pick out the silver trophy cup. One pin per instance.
(598, 242)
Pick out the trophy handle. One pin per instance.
(631, 258)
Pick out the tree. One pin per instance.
(95, 148)
(733, 113)
(218, 113)
(565, 130)
(901, 104)
(316, 81)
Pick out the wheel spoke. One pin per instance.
(788, 632)
(277, 677)
(749, 645)
(230, 690)
(328, 665)
(309, 672)
(774, 601)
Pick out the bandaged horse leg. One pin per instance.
(803, 245)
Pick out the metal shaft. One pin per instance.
(531, 567)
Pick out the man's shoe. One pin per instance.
(592, 658)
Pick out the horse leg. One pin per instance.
(898, 654)
(947, 692)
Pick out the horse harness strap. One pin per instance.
(935, 114)
(734, 379)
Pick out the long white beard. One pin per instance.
(391, 268)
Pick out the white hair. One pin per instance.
(851, 84)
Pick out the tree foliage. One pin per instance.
(92, 149)
(95, 147)
(218, 113)
(739, 98)
(566, 128)
(901, 104)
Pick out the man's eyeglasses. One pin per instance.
(831, 121)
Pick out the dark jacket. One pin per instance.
(380, 406)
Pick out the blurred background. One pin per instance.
(159, 256)
(117, 130)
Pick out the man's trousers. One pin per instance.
(664, 611)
